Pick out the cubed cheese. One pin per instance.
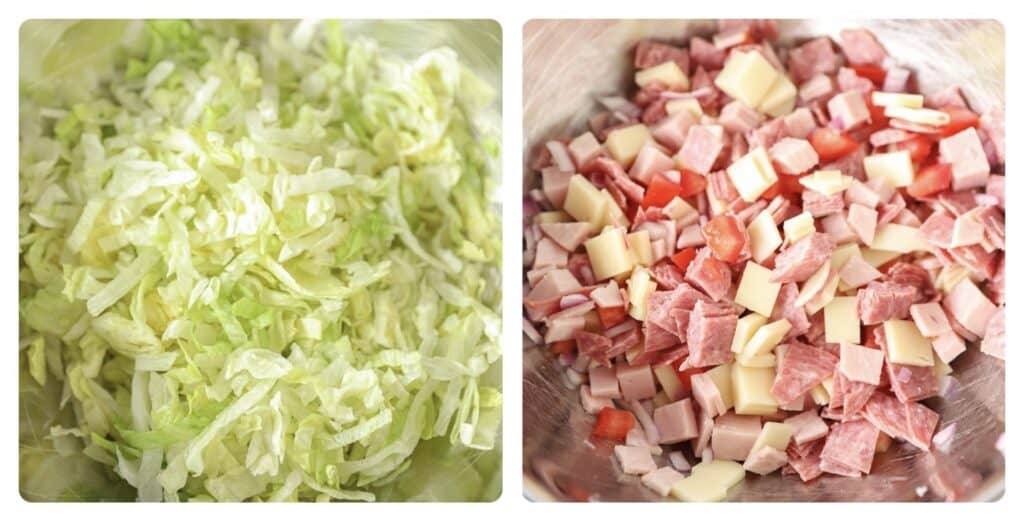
(609, 255)
(747, 77)
(556, 216)
(681, 211)
(640, 244)
(899, 238)
(745, 329)
(640, 286)
(842, 254)
(752, 174)
(941, 368)
(613, 215)
(725, 473)
(689, 105)
(906, 100)
(721, 376)
(697, 489)
(669, 381)
(764, 236)
(798, 226)
(584, 202)
(841, 321)
(780, 98)
(924, 116)
(752, 390)
(905, 344)
(883, 443)
(625, 143)
(667, 73)
(756, 290)
(895, 168)
(767, 337)
(820, 395)
(877, 258)
(827, 182)
(756, 360)
(828, 384)
(773, 434)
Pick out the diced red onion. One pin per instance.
(572, 300)
(920, 491)
(707, 455)
(530, 251)
(1001, 443)
(646, 421)
(581, 364)
(574, 377)
(567, 358)
(538, 196)
(943, 440)
(531, 332)
(560, 154)
(679, 461)
(616, 104)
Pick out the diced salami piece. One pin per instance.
(650, 53)
(800, 260)
(861, 47)
(800, 369)
(621, 344)
(912, 275)
(921, 423)
(965, 153)
(656, 339)
(592, 345)
(767, 134)
(813, 57)
(850, 445)
(681, 317)
(799, 124)
(855, 395)
(938, 229)
(786, 308)
(848, 80)
(821, 205)
(807, 427)
(710, 333)
(948, 96)
(816, 88)
(709, 274)
(911, 383)
(794, 156)
(667, 275)
(860, 363)
(881, 301)
(994, 342)
(706, 54)
(958, 203)
(701, 149)
(807, 468)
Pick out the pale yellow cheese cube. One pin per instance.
(681, 211)
(941, 368)
(756, 290)
(820, 395)
(640, 244)
(827, 384)
(584, 202)
(906, 345)
(751, 390)
(926, 116)
(950, 275)
(756, 360)
(556, 216)
(877, 258)
(780, 99)
(824, 296)
(613, 214)
(752, 174)
(721, 376)
(767, 337)
(899, 238)
(907, 100)
(690, 106)
(895, 168)
(842, 254)
(609, 255)
(773, 434)
(747, 77)
(697, 489)
(639, 286)
(764, 236)
(813, 285)
(745, 329)
(841, 321)
(827, 182)
(625, 143)
(725, 473)
(667, 73)
(798, 226)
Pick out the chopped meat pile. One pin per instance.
(767, 257)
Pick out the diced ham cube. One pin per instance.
(863, 194)
(706, 393)
(767, 134)
(709, 334)
(568, 236)
(930, 319)
(786, 308)
(794, 156)
(737, 117)
(661, 480)
(818, 87)
(706, 54)
(837, 228)
(701, 149)
(543, 298)
(848, 80)
(584, 148)
(948, 346)
(969, 307)
(635, 460)
(799, 261)
(863, 221)
(921, 423)
(807, 427)
(938, 229)
(562, 328)
(799, 124)
(856, 272)
(608, 296)
(861, 47)
(881, 301)
(650, 53)
(604, 383)
(593, 404)
(549, 254)
(636, 381)
(860, 363)
(676, 422)
(813, 57)
(651, 160)
(896, 80)
(555, 184)
(965, 153)
(671, 131)
(734, 435)
(821, 205)
(848, 110)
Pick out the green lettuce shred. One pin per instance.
(258, 261)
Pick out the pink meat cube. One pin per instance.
(856, 272)
(604, 383)
(593, 404)
(800, 123)
(661, 480)
(930, 319)
(705, 392)
(734, 435)
(969, 306)
(701, 149)
(965, 153)
(863, 221)
(651, 160)
(860, 363)
(948, 346)
(549, 254)
(848, 110)
(555, 184)
(816, 87)
(671, 131)
(676, 422)
(765, 460)
(794, 156)
(584, 149)
(807, 426)
(635, 460)
(737, 117)
(636, 381)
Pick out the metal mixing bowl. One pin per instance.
(566, 63)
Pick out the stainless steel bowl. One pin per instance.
(566, 63)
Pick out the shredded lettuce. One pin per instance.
(258, 261)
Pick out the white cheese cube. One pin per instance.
(669, 380)
(877, 258)
(764, 236)
(609, 255)
(752, 174)
(906, 345)
(624, 143)
(926, 116)
(745, 329)
(556, 216)
(667, 73)
(841, 321)
(613, 215)
(773, 434)
(941, 368)
(950, 275)
(798, 226)
(584, 202)
(747, 77)
(640, 245)
(780, 99)
(827, 384)
(681, 211)
(767, 337)
(820, 395)
(899, 238)
(907, 100)
(721, 376)
(725, 473)
(690, 106)
(895, 168)
(827, 182)
(756, 360)
(697, 489)
(756, 290)
(640, 286)
(752, 390)
(842, 254)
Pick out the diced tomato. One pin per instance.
(771, 192)
(576, 492)
(683, 258)
(870, 71)
(832, 145)
(691, 183)
(614, 424)
(685, 376)
(611, 316)
(725, 237)
(931, 180)
(659, 192)
(959, 119)
(790, 185)
(919, 146)
(562, 346)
